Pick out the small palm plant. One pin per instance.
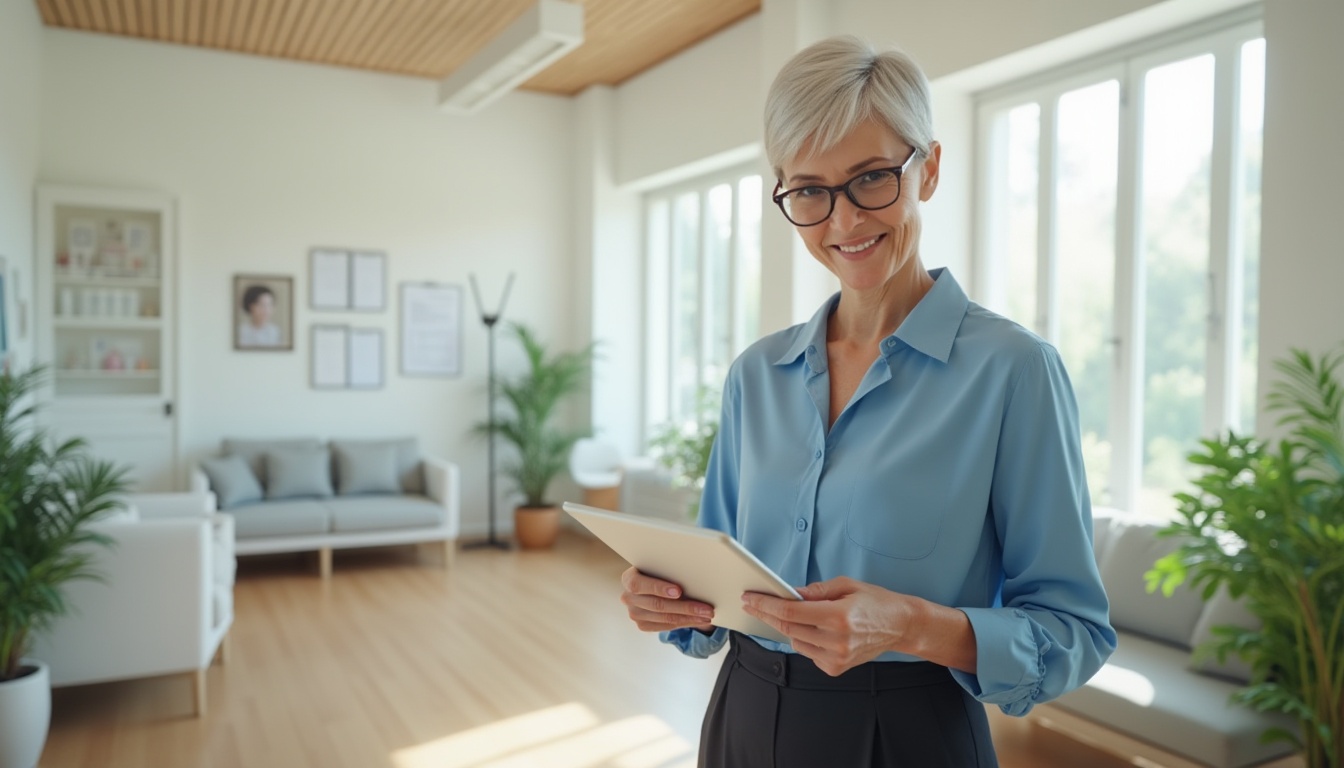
(532, 399)
(1267, 521)
(48, 495)
(684, 448)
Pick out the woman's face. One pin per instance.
(866, 249)
(262, 309)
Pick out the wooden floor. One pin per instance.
(509, 660)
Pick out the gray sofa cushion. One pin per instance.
(298, 473)
(372, 513)
(254, 451)
(1222, 610)
(410, 472)
(1132, 549)
(1145, 689)
(281, 518)
(232, 480)
(365, 467)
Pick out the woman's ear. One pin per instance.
(928, 176)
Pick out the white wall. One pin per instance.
(1302, 255)
(269, 159)
(20, 77)
(699, 104)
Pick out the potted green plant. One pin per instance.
(49, 493)
(684, 448)
(525, 423)
(1266, 519)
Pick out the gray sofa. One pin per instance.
(300, 494)
(1155, 699)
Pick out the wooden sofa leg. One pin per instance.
(449, 552)
(222, 652)
(198, 691)
(324, 562)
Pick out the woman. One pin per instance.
(258, 329)
(911, 457)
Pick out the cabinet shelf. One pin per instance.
(108, 323)
(98, 373)
(107, 281)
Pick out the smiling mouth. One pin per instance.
(858, 247)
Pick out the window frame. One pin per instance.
(1224, 37)
(660, 284)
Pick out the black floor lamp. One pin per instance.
(490, 320)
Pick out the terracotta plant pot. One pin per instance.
(536, 527)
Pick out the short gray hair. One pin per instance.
(827, 89)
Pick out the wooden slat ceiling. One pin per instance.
(422, 38)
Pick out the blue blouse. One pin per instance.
(954, 474)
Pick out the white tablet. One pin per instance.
(709, 565)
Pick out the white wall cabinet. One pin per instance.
(104, 302)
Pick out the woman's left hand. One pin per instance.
(841, 623)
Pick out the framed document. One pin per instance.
(330, 279)
(431, 329)
(331, 356)
(368, 281)
(366, 358)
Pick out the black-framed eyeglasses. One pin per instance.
(871, 190)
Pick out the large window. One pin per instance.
(1120, 220)
(703, 288)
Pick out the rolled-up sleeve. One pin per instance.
(1049, 631)
(718, 510)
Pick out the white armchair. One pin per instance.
(165, 603)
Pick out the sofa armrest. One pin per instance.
(157, 506)
(443, 484)
(200, 482)
(150, 613)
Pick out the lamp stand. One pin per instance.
(491, 320)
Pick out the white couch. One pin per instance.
(1154, 702)
(425, 507)
(165, 601)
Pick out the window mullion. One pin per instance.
(1224, 326)
(1047, 198)
(704, 327)
(1126, 419)
(735, 330)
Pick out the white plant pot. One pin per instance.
(25, 714)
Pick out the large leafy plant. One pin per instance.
(1266, 519)
(49, 493)
(530, 401)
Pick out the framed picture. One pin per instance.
(347, 280)
(347, 358)
(331, 356)
(431, 329)
(263, 313)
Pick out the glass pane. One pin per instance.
(1177, 143)
(686, 303)
(1248, 223)
(1014, 237)
(1085, 185)
(718, 321)
(748, 262)
(657, 308)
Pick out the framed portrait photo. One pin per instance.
(263, 313)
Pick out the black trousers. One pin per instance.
(778, 710)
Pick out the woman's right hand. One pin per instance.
(657, 606)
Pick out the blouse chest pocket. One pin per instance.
(901, 528)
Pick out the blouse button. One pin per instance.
(818, 454)
(801, 525)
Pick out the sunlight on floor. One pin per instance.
(567, 736)
(1125, 683)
